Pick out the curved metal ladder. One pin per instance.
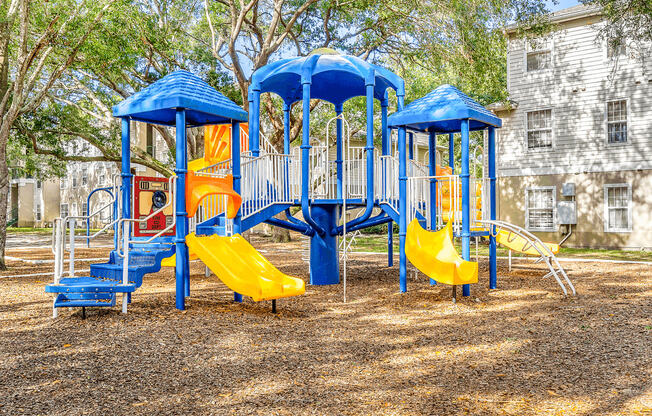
(532, 241)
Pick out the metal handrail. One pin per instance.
(544, 251)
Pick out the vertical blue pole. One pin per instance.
(182, 261)
(402, 192)
(466, 200)
(338, 152)
(250, 99)
(451, 151)
(286, 128)
(432, 165)
(386, 147)
(125, 171)
(411, 146)
(254, 127)
(390, 244)
(237, 176)
(492, 207)
(370, 83)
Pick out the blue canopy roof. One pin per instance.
(158, 102)
(443, 110)
(335, 78)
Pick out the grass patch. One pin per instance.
(378, 244)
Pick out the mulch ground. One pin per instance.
(521, 350)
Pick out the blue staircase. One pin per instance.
(105, 280)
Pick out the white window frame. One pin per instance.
(61, 210)
(607, 229)
(607, 58)
(554, 208)
(550, 49)
(84, 176)
(552, 128)
(63, 183)
(606, 121)
(84, 208)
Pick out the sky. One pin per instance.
(562, 4)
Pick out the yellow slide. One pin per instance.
(243, 269)
(519, 244)
(434, 254)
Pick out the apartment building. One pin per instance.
(36, 203)
(575, 151)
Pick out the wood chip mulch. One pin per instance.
(521, 350)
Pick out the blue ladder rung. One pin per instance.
(77, 300)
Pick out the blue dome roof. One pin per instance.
(442, 110)
(158, 102)
(334, 78)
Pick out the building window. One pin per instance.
(74, 181)
(150, 140)
(617, 121)
(540, 208)
(39, 184)
(102, 179)
(538, 55)
(74, 209)
(84, 179)
(63, 210)
(63, 183)
(37, 213)
(539, 129)
(84, 208)
(617, 208)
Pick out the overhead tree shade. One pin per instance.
(442, 111)
(335, 78)
(158, 102)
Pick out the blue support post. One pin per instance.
(182, 261)
(384, 132)
(286, 128)
(466, 200)
(432, 165)
(250, 100)
(339, 108)
(451, 151)
(324, 254)
(411, 146)
(390, 244)
(254, 127)
(492, 207)
(402, 194)
(126, 171)
(237, 176)
(305, 158)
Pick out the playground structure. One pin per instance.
(243, 181)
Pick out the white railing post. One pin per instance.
(71, 266)
(125, 262)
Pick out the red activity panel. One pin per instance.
(151, 194)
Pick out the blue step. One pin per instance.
(105, 280)
(88, 284)
(78, 300)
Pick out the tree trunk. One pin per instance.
(4, 191)
(281, 235)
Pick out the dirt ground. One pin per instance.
(521, 350)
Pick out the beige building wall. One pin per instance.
(590, 206)
(26, 204)
(51, 201)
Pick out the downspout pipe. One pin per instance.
(305, 156)
(377, 220)
(300, 228)
(370, 83)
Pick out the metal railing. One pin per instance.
(386, 181)
(267, 180)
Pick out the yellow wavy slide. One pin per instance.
(243, 269)
(434, 254)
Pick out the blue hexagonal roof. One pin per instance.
(333, 77)
(158, 102)
(443, 110)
